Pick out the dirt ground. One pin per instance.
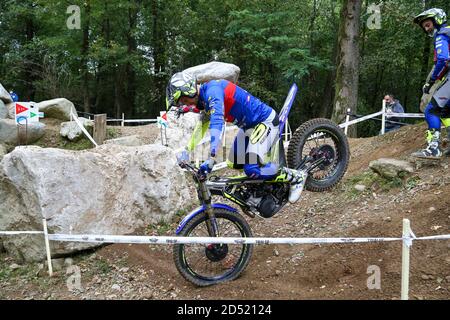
(290, 271)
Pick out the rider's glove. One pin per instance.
(207, 166)
(184, 109)
(182, 158)
(427, 87)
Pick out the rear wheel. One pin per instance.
(321, 147)
(209, 264)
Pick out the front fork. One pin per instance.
(205, 198)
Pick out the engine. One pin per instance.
(267, 199)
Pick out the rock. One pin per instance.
(391, 168)
(68, 262)
(14, 266)
(181, 130)
(108, 190)
(3, 151)
(427, 277)
(130, 141)
(3, 110)
(8, 131)
(215, 71)
(115, 287)
(425, 163)
(360, 187)
(4, 95)
(57, 264)
(10, 107)
(387, 219)
(71, 131)
(57, 108)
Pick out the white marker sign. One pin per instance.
(27, 112)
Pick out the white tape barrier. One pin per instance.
(226, 240)
(441, 237)
(407, 239)
(15, 233)
(75, 117)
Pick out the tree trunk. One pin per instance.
(363, 32)
(130, 75)
(312, 79)
(159, 55)
(347, 76)
(104, 91)
(84, 59)
(327, 104)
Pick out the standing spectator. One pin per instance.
(392, 106)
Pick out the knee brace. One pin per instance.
(252, 171)
(268, 171)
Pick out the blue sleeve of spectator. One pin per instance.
(398, 108)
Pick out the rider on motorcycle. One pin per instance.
(222, 100)
(434, 23)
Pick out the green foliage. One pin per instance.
(101, 266)
(62, 143)
(161, 228)
(27, 271)
(112, 133)
(372, 182)
(123, 55)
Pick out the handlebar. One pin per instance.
(195, 171)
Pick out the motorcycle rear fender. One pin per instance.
(199, 210)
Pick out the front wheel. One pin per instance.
(320, 147)
(209, 264)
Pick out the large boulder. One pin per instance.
(3, 151)
(11, 107)
(108, 190)
(215, 71)
(9, 132)
(3, 110)
(391, 168)
(71, 131)
(4, 95)
(57, 108)
(180, 131)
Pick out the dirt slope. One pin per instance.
(300, 271)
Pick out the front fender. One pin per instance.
(199, 210)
